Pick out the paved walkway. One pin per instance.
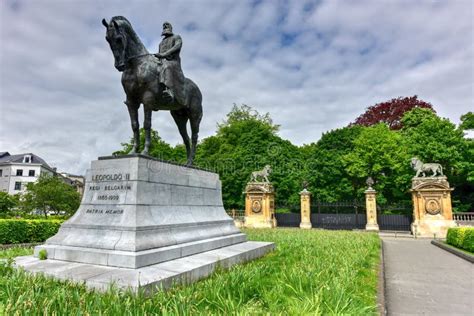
(422, 279)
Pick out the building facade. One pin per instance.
(16, 171)
(77, 182)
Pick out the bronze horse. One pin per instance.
(140, 80)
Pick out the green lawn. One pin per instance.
(311, 272)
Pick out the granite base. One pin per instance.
(151, 278)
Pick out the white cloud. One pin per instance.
(314, 65)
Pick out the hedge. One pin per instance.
(461, 237)
(16, 231)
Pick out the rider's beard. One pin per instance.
(167, 32)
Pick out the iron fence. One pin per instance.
(339, 207)
(288, 219)
(338, 221)
(236, 214)
(345, 215)
(395, 216)
(395, 222)
(402, 208)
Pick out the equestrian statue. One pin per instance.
(156, 81)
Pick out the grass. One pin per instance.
(311, 272)
(15, 252)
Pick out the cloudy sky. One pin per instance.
(314, 65)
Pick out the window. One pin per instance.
(27, 159)
(1, 172)
(31, 173)
(19, 172)
(17, 186)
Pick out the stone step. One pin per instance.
(151, 278)
(136, 259)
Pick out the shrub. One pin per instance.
(469, 240)
(461, 237)
(43, 254)
(15, 231)
(455, 236)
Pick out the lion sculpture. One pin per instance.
(423, 168)
(262, 174)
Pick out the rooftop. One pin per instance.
(5, 157)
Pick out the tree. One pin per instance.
(245, 113)
(336, 166)
(434, 139)
(244, 142)
(379, 153)
(50, 194)
(391, 112)
(467, 121)
(324, 171)
(158, 148)
(7, 203)
(247, 141)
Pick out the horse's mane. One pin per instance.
(123, 22)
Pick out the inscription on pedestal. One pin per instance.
(109, 192)
(110, 177)
(102, 211)
(131, 217)
(108, 188)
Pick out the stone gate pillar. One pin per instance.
(260, 205)
(305, 199)
(432, 210)
(371, 209)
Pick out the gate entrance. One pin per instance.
(328, 215)
(348, 215)
(397, 217)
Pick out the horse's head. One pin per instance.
(117, 39)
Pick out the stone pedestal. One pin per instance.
(371, 209)
(138, 212)
(260, 205)
(305, 200)
(432, 210)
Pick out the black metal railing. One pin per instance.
(344, 215)
(395, 222)
(402, 208)
(395, 216)
(288, 219)
(339, 207)
(236, 214)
